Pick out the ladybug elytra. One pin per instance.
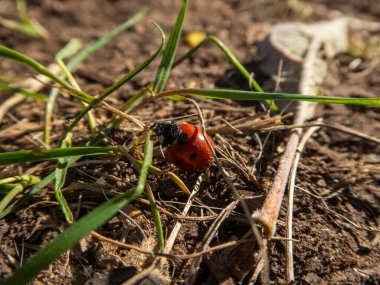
(186, 146)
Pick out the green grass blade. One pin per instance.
(169, 53)
(157, 223)
(236, 63)
(30, 27)
(28, 61)
(119, 83)
(70, 49)
(32, 95)
(132, 103)
(12, 186)
(6, 188)
(154, 210)
(68, 239)
(251, 95)
(232, 58)
(17, 189)
(60, 177)
(25, 180)
(23, 156)
(35, 189)
(148, 156)
(93, 142)
(74, 233)
(136, 71)
(82, 56)
(20, 27)
(64, 206)
(100, 43)
(90, 116)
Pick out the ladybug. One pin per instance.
(186, 146)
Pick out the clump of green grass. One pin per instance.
(26, 25)
(67, 155)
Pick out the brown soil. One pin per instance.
(336, 208)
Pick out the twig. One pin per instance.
(167, 255)
(289, 217)
(121, 244)
(267, 216)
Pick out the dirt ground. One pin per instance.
(336, 207)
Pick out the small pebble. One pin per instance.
(321, 183)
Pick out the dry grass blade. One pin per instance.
(22, 126)
(259, 122)
(289, 218)
(177, 216)
(136, 121)
(207, 239)
(162, 263)
(30, 84)
(170, 241)
(337, 127)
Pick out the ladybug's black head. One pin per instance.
(167, 133)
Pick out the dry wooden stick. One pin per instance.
(289, 216)
(267, 216)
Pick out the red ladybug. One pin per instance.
(186, 146)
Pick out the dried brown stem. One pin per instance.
(167, 255)
(267, 216)
(108, 107)
(289, 217)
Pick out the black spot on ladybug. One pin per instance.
(182, 138)
(193, 156)
(178, 162)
